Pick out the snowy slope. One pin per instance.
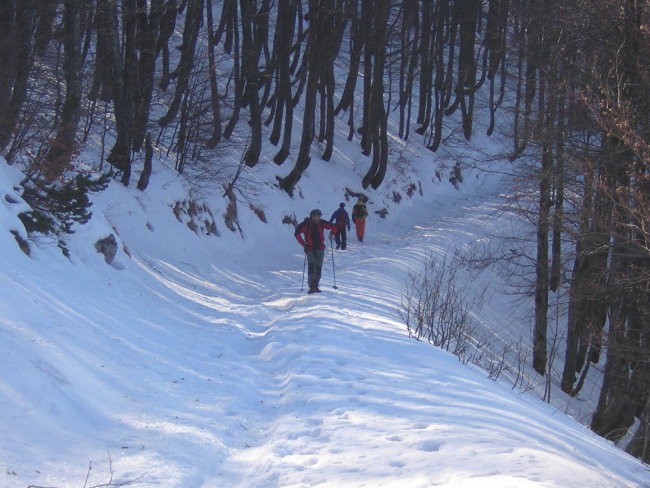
(197, 361)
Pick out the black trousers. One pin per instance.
(341, 238)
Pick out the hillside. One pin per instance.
(197, 361)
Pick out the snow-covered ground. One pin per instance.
(198, 361)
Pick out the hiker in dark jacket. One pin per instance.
(309, 234)
(341, 219)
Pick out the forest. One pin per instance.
(568, 79)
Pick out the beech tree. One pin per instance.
(63, 145)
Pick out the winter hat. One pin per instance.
(315, 212)
(342, 205)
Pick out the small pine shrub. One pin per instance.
(55, 208)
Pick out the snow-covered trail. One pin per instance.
(334, 393)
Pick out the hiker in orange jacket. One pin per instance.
(359, 214)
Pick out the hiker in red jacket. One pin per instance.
(309, 234)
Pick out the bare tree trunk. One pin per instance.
(63, 145)
(282, 41)
(313, 65)
(356, 43)
(541, 264)
(465, 16)
(123, 85)
(254, 36)
(558, 210)
(640, 444)
(442, 82)
(303, 159)
(217, 129)
(167, 26)
(193, 19)
(366, 24)
(375, 128)
(148, 29)
(335, 27)
(523, 90)
(16, 21)
(322, 46)
(426, 68)
(287, 19)
(495, 43)
(233, 29)
(587, 308)
(143, 181)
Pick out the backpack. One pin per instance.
(357, 211)
(340, 219)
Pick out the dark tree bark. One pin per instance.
(46, 13)
(357, 42)
(105, 51)
(148, 30)
(410, 32)
(167, 25)
(283, 101)
(254, 36)
(495, 47)
(303, 159)
(193, 19)
(16, 21)
(313, 64)
(442, 82)
(123, 83)
(217, 128)
(540, 356)
(467, 15)
(640, 444)
(426, 67)
(335, 27)
(558, 198)
(526, 84)
(375, 129)
(366, 24)
(232, 27)
(321, 42)
(143, 181)
(618, 399)
(63, 146)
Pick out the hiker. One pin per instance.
(341, 219)
(359, 214)
(309, 233)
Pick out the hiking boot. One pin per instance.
(313, 290)
(317, 290)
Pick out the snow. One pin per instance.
(197, 361)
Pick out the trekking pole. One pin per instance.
(333, 270)
(304, 265)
